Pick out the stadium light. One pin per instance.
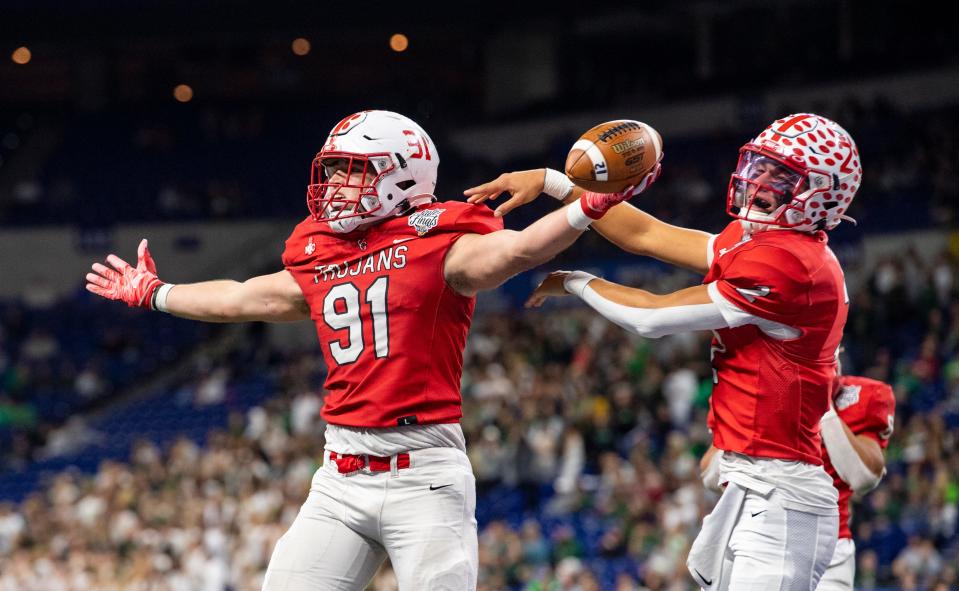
(301, 46)
(399, 42)
(21, 55)
(183, 93)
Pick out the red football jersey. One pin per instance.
(769, 394)
(392, 331)
(869, 408)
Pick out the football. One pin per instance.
(614, 155)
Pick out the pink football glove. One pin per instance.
(595, 205)
(135, 286)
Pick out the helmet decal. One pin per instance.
(347, 124)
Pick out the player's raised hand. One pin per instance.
(647, 180)
(523, 186)
(132, 285)
(551, 286)
(597, 204)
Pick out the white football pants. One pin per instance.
(423, 517)
(771, 548)
(841, 574)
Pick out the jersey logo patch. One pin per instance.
(424, 221)
(848, 396)
(310, 247)
(760, 291)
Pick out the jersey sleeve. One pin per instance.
(472, 219)
(767, 282)
(730, 235)
(874, 416)
(294, 248)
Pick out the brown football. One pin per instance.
(614, 155)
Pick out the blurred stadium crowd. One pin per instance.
(585, 443)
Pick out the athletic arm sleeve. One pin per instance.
(647, 322)
(844, 457)
(736, 316)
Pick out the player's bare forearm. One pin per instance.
(707, 457)
(867, 449)
(640, 298)
(477, 262)
(267, 298)
(638, 232)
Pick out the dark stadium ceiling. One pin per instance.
(669, 49)
(102, 20)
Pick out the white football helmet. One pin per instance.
(807, 164)
(398, 162)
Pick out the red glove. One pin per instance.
(595, 205)
(134, 286)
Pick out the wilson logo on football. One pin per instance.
(628, 145)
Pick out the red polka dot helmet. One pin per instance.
(800, 173)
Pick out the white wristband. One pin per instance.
(159, 301)
(576, 282)
(576, 217)
(557, 185)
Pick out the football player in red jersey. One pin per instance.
(855, 431)
(389, 277)
(774, 297)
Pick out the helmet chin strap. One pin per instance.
(754, 226)
(349, 224)
(750, 228)
(344, 226)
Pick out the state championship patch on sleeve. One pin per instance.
(424, 221)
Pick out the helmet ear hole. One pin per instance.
(404, 185)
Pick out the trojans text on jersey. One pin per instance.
(387, 259)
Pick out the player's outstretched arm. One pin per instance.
(636, 310)
(267, 298)
(627, 227)
(483, 261)
(271, 298)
